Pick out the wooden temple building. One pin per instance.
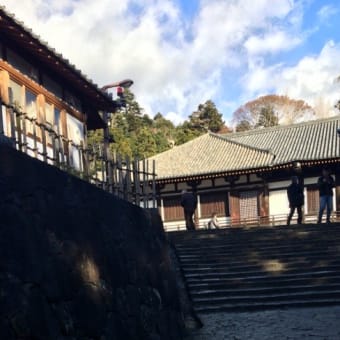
(243, 176)
(43, 93)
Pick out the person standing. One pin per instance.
(296, 199)
(325, 184)
(189, 204)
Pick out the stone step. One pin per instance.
(252, 241)
(277, 305)
(287, 259)
(238, 234)
(210, 248)
(270, 265)
(318, 270)
(261, 268)
(264, 298)
(333, 246)
(213, 293)
(264, 282)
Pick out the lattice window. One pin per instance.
(248, 204)
(312, 199)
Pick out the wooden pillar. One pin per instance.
(41, 120)
(234, 200)
(159, 187)
(194, 184)
(264, 199)
(4, 98)
(234, 207)
(4, 84)
(64, 138)
(1, 121)
(337, 192)
(264, 213)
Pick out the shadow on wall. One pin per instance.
(75, 262)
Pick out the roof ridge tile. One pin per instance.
(285, 127)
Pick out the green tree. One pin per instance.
(144, 144)
(134, 134)
(186, 132)
(164, 132)
(267, 117)
(243, 125)
(206, 118)
(162, 123)
(337, 105)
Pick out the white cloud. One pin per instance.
(326, 12)
(311, 79)
(273, 42)
(314, 76)
(174, 117)
(175, 64)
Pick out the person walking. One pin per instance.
(326, 184)
(296, 199)
(189, 204)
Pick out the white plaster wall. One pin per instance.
(278, 202)
(280, 184)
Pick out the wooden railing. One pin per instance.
(132, 180)
(257, 221)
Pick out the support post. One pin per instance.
(337, 192)
(1, 121)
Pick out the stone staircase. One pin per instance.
(240, 269)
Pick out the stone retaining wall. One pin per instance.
(77, 263)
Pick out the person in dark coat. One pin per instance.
(296, 199)
(325, 184)
(189, 204)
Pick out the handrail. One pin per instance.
(256, 221)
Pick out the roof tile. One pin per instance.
(212, 154)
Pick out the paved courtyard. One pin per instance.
(305, 323)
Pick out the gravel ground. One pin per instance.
(305, 323)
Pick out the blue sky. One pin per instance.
(181, 53)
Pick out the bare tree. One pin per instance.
(285, 109)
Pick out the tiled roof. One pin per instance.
(215, 154)
(314, 140)
(209, 154)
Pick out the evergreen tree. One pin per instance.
(337, 105)
(206, 118)
(134, 134)
(243, 125)
(267, 117)
(144, 144)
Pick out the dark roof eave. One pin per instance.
(94, 122)
(215, 174)
(168, 180)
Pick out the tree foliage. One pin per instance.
(206, 117)
(271, 110)
(267, 117)
(135, 134)
(337, 105)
